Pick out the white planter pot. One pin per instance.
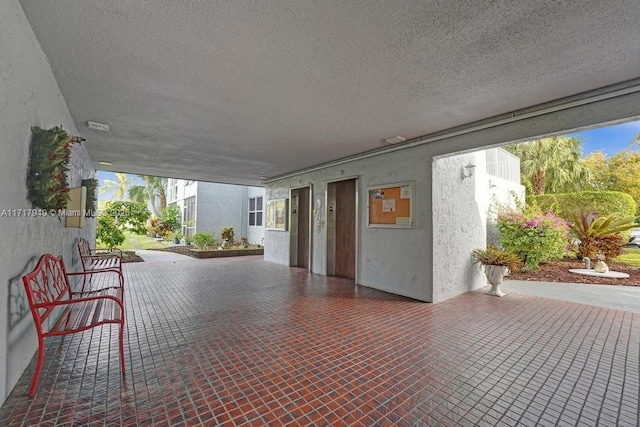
(495, 274)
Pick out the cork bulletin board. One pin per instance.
(391, 205)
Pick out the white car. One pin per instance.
(634, 239)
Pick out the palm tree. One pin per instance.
(552, 165)
(118, 186)
(153, 193)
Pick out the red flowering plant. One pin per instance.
(47, 178)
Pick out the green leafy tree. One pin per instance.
(108, 233)
(118, 186)
(119, 217)
(153, 193)
(552, 165)
(138, 194)
(618, 173)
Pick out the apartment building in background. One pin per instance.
(208, 206)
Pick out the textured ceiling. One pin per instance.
(233, 91)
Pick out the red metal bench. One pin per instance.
(48, 289)
(93, 262)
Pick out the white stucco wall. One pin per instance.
(219, 206)
(501, 192)
(29, 96)
(459, 221)
(223, 205)
(255, 234)
(390, 259)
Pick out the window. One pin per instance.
(255, 211)
(189, 216)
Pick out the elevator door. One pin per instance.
(300, 227)
(303, 227)
(343, 212)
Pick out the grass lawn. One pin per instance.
(135, 241)
(631, 256)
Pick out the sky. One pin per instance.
(103, 175)
(610, 140)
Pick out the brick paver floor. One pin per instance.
(246, 342)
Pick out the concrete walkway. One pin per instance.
(619, 297)
(162, 256)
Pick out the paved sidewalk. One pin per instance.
(162, 256)
(619, 297)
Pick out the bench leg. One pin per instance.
(36, 374)
(122, 344)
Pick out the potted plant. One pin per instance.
(497, 263)
(177, 236)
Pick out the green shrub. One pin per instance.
(204, 240)
(108, 232)
(167, 223)
(171, 217)
(535, 237)
(602, 202)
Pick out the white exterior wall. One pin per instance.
(391, 259)
(29, 96)
(503, 193)
(450, 221)
(462, 220)
(459, 223)
(255, 234)
(219, 206)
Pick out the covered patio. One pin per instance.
(247, 342)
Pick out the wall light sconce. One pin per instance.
(468, 170)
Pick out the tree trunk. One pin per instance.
(538, 182)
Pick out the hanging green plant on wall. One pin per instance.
(47, 178)
(91, 205)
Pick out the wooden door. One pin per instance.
(303, 227)
(345, 220)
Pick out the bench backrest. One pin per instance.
(85, 251)
(47, 283)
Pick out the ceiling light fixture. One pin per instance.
(105, 163)
(395, 139)
(98, 126)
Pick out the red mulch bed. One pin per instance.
(558, 271)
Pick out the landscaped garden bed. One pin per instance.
(558, 271)
(217, 253)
